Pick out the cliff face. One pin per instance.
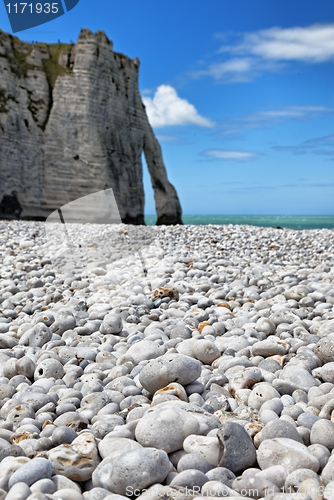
(72, 122)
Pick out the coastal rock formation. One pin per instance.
(72, 123)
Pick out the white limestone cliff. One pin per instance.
(72, 122)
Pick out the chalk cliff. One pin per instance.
(72, 122)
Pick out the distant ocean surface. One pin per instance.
(288, 221)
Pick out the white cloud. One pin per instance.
(225, 154)
(272, 50)
(310, 44)
(167, 108)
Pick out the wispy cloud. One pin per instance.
(274, 49)
(293, 112)
(228, 155)
(166, 138)
(311, 44)
(232, 70)
(179, 139)
(327, 140)
(258, 188)
(323, 146)
(265, 118)
(166, 108)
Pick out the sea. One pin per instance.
(284, 221)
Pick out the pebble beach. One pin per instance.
(166, 362)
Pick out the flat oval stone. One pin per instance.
(275, 405)
(36, 400)
(68, 494)
(222, 475)
(25, 366)
(208, 447)
(295, 478)
(95, 401)
(112, 323)
(324, 349)
(37, 336)
(280, 429)
(165, 427)
(254, 486)
(9, 368)
(182, 332)
(12, 451)
(168, 368)
(19, 412)
(96, 494)
(270, 347)
(137, 469)
(8, 466)
(62, 482)
(111, 444)
(262, 392)
(267, 416)
(321, 452)
(20, 491)
(298, 375)
(72, 419)
(287, 452)
(313, 488)
(6, 341)
(265, 325)
(193, 461)
(277, 474)
(244, 379)
(63, 435)
(65, 321)
(205, 351)
(322, 432)
(189, 478)
(173, 389)
(145, 349)
(6, 391)
(327, 474)
(327, 372)
(307, 420)
(217, 489)
(36, 469)
(43, 486)
(232, 342)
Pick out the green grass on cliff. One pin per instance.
(52, 69)
(51, 66)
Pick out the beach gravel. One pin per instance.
(165, 362)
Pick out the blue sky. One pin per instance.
(240, 94)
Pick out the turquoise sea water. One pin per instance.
(288, 221)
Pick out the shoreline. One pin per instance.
(289, 221)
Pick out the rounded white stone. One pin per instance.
(136, 469)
